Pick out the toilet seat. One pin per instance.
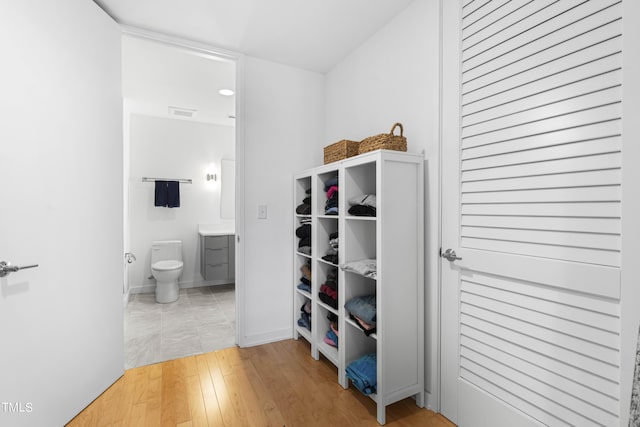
(167, 265)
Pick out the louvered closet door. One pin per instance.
(531, 203)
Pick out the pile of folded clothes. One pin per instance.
(328, 293)
(305, 280)
(303, 232)
(305, 207)
(364, 267)
(332, 253)
(362, 310)
(331, 337)
(362, 373)
(305, 315)
(363, 205)
(331, 188)
(305, 285)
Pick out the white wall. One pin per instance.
(393, 77)
(283, 133)
(172, 148)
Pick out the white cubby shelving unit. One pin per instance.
(394, 237)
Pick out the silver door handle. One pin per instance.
(450, 255)
(6, 268)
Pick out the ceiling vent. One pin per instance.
(182, 112)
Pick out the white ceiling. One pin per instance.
(156, 76)
(309, 34)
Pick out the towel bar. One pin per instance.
(185, 181)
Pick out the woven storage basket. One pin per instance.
(386, 141)
(340, 150)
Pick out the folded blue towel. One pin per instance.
(304, 287)
(173, 194)
(161, 193)
(363, 307)
(363, 373)
(305, 320)
(332, 336)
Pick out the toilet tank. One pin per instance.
(165, 250)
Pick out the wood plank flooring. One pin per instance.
(276, 384)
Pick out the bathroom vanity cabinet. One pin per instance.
(217, 257)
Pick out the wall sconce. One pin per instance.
(212, 176)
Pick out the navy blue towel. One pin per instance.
(173, 194)
(161, 193)
(167, 194)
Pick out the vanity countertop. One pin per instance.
(216, 229)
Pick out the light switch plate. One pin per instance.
(262, 211)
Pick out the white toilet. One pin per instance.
(166, 268)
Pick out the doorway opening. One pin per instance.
(179, 125)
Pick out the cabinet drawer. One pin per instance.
(216, 256)
(216, 242)
(216, 272)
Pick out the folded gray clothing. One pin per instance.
(305, 250)
(364, 267)
(363, 199)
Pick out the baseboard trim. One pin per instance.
(144, 289)
(151, 287)
(430, 402)
(266, 338)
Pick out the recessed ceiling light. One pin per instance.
(226, 92)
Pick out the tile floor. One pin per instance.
(200, 321)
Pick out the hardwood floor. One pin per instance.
(276, 384)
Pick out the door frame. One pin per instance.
(239, 60)
(630, 231)
(449, 131)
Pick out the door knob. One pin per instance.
(6, 268)
(450, 255)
